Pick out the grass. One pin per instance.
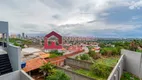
(108, 61)
(89, 74)
(128, 76)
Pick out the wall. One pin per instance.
(78, 63)
(118, 70)
(16, 75)
(3, 27)
(11, 76)
(130, 61)
(25, 76)
(14, 54)
(75, 76)
(133, 62)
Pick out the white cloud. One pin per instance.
(136, 4)
(65, 16)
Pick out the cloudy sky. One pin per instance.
(101, 18)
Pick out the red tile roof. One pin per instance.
(34, 64)
(38, 62)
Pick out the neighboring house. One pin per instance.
(53, 41)
(96, 48)
(10, 58)
(31, 53)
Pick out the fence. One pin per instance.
(74, 75)
(78, 63)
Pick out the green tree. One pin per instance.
(84, 57)
(47, 69)
(58, 75)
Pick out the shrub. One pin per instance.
(110, 51)
(58, 75)
(56, 52)
(53, 55)
(77, 57)
(128, 76)
(101, 70)
(47, 69)
(94, 55)
(84, 57)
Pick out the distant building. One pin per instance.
(23, 35)
(19, 36)
(13, 36)
(53, 41)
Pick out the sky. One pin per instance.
(98, 18)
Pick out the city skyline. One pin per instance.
(102, 18)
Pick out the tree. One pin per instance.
(133, 45)
(84, 57)
(47, 69)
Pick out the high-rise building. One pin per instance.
(23, 35)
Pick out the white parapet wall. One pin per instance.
(133, 62)
(118, 70)
(14, 54)
(130, 61)
(16, 75)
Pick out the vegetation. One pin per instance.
(20, 42)
(47, 69)
(128, 76)
(94, 55)
(50, 73)
(58, 75)
(55, 53)
(83, 57)
(110, 51)
(89, 74)
(109, 61)
(107, 49)
(101, 70)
